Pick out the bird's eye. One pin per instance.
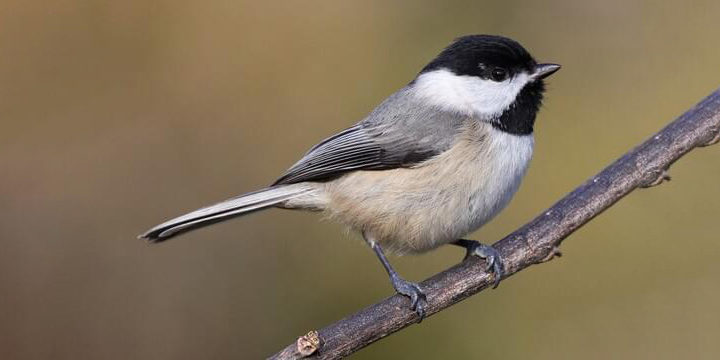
(498, 74)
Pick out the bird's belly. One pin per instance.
(417, 209)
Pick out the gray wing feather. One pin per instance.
(351, 149)
(401, 132)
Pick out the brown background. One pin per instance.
(116, 115)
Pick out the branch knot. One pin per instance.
(308, 344)
(553, 253)
(714, 140)
(656, 178)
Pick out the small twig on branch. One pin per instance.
(535, 242)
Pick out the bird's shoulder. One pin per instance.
(400, 132)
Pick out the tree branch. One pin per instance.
(535, 242)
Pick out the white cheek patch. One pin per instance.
(469, 95)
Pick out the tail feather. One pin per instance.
(225, 210)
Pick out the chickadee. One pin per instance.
(435, 161)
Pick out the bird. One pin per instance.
(435, 161)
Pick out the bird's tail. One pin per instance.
(225, 210)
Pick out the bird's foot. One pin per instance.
(491, 256)
(412, 290)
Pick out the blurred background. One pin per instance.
(116, 115)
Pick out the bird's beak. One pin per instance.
(544, 70)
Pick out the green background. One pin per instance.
(116, 115)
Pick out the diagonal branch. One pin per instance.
(533, 243)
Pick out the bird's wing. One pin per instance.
(352, 149)
(397, 134)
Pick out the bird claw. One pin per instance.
(493, 261)
(418, 299)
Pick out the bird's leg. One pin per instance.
(491, 256)
(402, 286)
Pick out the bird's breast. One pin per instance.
(439, 201)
